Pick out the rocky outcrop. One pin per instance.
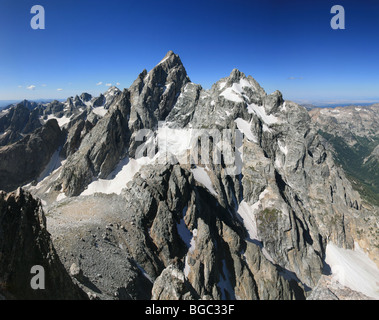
(154, 94)
(24, 243)
(75, 135)
(329, 289)
(23, 161)
(19, 121)
(352, 135)
(172, 285)
(175, 220)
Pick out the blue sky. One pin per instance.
(284, 45)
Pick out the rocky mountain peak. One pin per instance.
(170, 60)
(239, 88)
(113, 90)
(169, 69)
(153, 94)
(85, 96)
(236, 75)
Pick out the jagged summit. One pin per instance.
(169, 64)
(113, 90)
(238, 80)
(236, 74)
(170, 57)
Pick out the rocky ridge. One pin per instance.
(24, 243)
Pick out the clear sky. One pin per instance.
(284, 45)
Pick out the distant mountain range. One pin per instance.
(310, 106)
(7, 103)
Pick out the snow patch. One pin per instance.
(246, 214)
(283, 148)
(54, 163)
(61, 196)
(266, 128)
(245, 128)
(231, 95)
(191, 249)
(117, 180)
(236, 92)
(183, 231)
(222, 85)
(61, 121)
(4, 133)
(174, 141)
(144, 273)
(261, 113)
(163, 60)
(100, 111)
(202, 177)
(353, 269)
(244, 83)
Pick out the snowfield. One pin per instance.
(118, 179)
(54, 163)
(247, 215)
(261, 113)
(100, 111)
(202, 177)
(231, 95)
(235, 92)
(354, 269)
(245, 128)
(61, 121)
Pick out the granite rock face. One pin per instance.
(23, 161)
(352, 133)
(328, 289)
(176, 221)
(24, 243)
(19, 121)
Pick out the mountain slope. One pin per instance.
(24, 243)
(353, 133)
(23, 161)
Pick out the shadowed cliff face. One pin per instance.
(24, 243)
(23, 161)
